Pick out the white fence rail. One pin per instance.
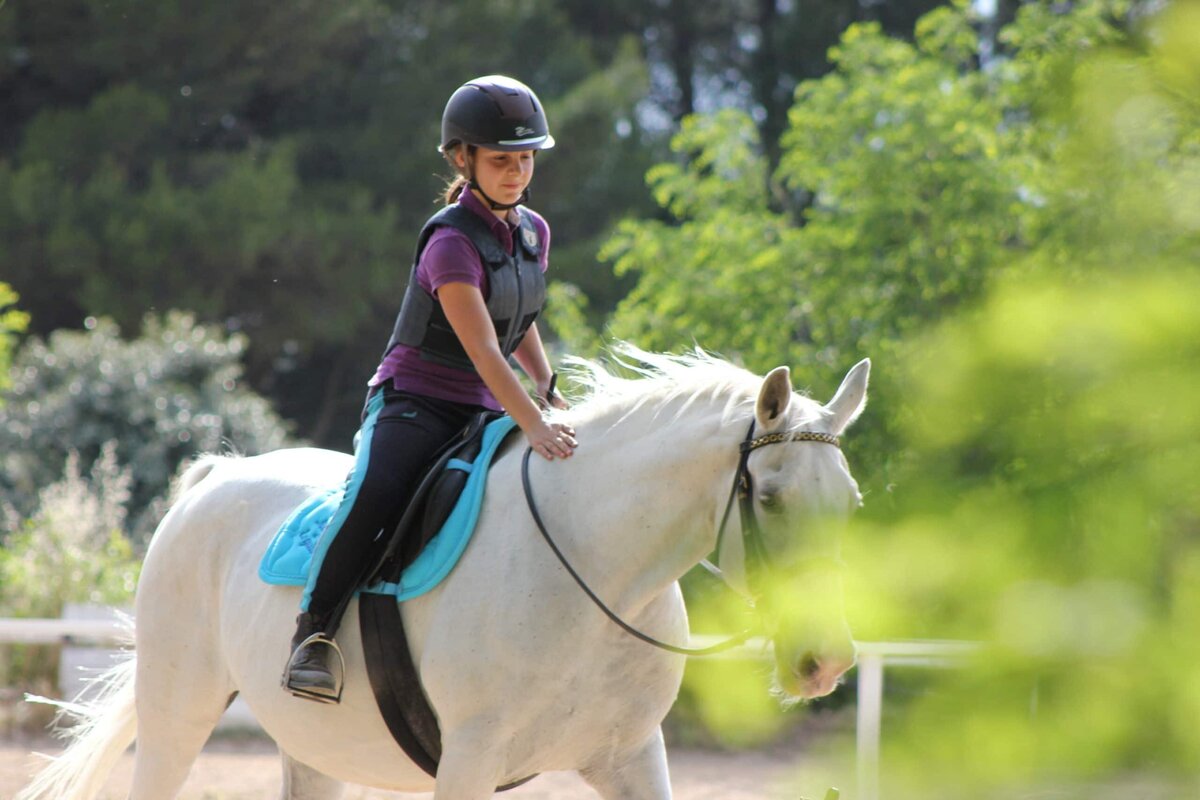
(873, 658)
(61, 631)
(90, 636)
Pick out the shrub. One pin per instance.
(163, 397)
(71, 549)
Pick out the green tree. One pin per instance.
(746, 54)
(1038, 353)
(12, 322)
(1045, 505)
(914, 165)
(174, 392)
(269, 169)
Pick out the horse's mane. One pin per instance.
(639, 379)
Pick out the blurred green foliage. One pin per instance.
(12, 322)
(1046, 506)
(915, 168)
(71, 549)
(1017, 247)
(927, 179)
(173, 392)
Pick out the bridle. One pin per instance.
(755, 556)
(754, 549)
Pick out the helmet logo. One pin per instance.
(523, 131)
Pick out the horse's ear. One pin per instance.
(851, 397)
(773, 398)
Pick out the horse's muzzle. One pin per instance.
(812, 675)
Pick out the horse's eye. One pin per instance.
(770, 502)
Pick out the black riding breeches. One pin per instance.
(408, 432)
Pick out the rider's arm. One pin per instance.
(531, 355)
(467, 313)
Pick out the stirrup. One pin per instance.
(339, 677)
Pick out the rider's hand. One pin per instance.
(552, 440)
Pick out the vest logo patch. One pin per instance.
(530, 237)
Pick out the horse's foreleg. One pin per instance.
(642, 775)
(302, 782)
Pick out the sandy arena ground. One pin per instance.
(248, 769)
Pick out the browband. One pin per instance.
(796, 436)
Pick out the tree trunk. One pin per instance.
(681, 19)
(765, 79)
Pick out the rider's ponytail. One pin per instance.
(456, 185)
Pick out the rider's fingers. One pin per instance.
(560, 443)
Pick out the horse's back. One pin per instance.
(306, 469)
(225, 499)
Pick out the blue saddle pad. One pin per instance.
(289, 558)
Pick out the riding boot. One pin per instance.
(310, 672)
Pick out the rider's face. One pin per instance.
(503, 176)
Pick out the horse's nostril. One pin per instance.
(807, 666)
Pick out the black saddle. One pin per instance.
(432, 501)
(390, 668)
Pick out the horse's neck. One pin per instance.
(645, 501)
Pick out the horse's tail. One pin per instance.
(106, 710)
(107, 726)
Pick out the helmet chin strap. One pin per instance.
(524, 198)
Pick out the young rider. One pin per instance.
(472, 298)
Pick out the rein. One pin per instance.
(742, 490)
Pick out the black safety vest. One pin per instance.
(516, 290)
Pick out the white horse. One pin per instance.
(523, 671)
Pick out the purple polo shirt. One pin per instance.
(449, 257)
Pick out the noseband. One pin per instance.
(755, 557)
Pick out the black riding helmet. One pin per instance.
(497, 113)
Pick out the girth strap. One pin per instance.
(395, 682)
(397, 686)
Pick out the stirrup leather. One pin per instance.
(339, 676)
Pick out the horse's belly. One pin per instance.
(584, 730)
(578, 694)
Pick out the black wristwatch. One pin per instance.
(544, 401)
